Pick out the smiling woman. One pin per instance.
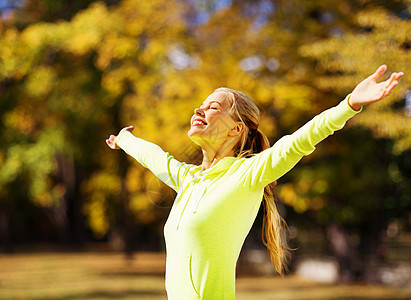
(217, 201)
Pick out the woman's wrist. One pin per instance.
(354, 106)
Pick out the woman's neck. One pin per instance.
(214, 152)
(211, 158)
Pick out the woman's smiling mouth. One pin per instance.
(197, 122)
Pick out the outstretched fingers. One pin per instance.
(392, 82)
(380, 71)
(111, 142)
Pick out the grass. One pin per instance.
(61, 276)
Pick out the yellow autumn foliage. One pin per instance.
(67, 85)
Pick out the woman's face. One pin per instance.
(211, 123)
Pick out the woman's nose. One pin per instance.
(199, 112)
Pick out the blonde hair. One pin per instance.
(253, 141)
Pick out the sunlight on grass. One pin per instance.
(109, 276)
(82, 276)
(294, 288)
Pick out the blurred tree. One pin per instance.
(32, 11)
(67, 84)
(343, 59)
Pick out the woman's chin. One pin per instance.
(195, 136)
(193, 132)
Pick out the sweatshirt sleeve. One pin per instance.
(151, 156)
(274, 162)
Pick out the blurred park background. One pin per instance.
(72, 72)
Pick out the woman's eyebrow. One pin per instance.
(212, 101)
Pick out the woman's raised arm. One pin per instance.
(272, 163)
(161, 163)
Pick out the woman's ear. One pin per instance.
(237, 129)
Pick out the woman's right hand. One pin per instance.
(111, 140)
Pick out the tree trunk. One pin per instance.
(124, 213)
(68, 214)
(5, 236)
(72, 177)
(125, 221)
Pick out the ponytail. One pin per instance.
(274, 226)
(274, 232)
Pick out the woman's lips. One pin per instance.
(198, 122)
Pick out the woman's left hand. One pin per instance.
(369, 91)
(111, 141)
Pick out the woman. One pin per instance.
(217, 202)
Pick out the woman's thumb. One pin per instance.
(129, 128)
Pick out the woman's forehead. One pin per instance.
(220, 97)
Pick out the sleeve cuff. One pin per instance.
(122, 137)
(352, 109)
